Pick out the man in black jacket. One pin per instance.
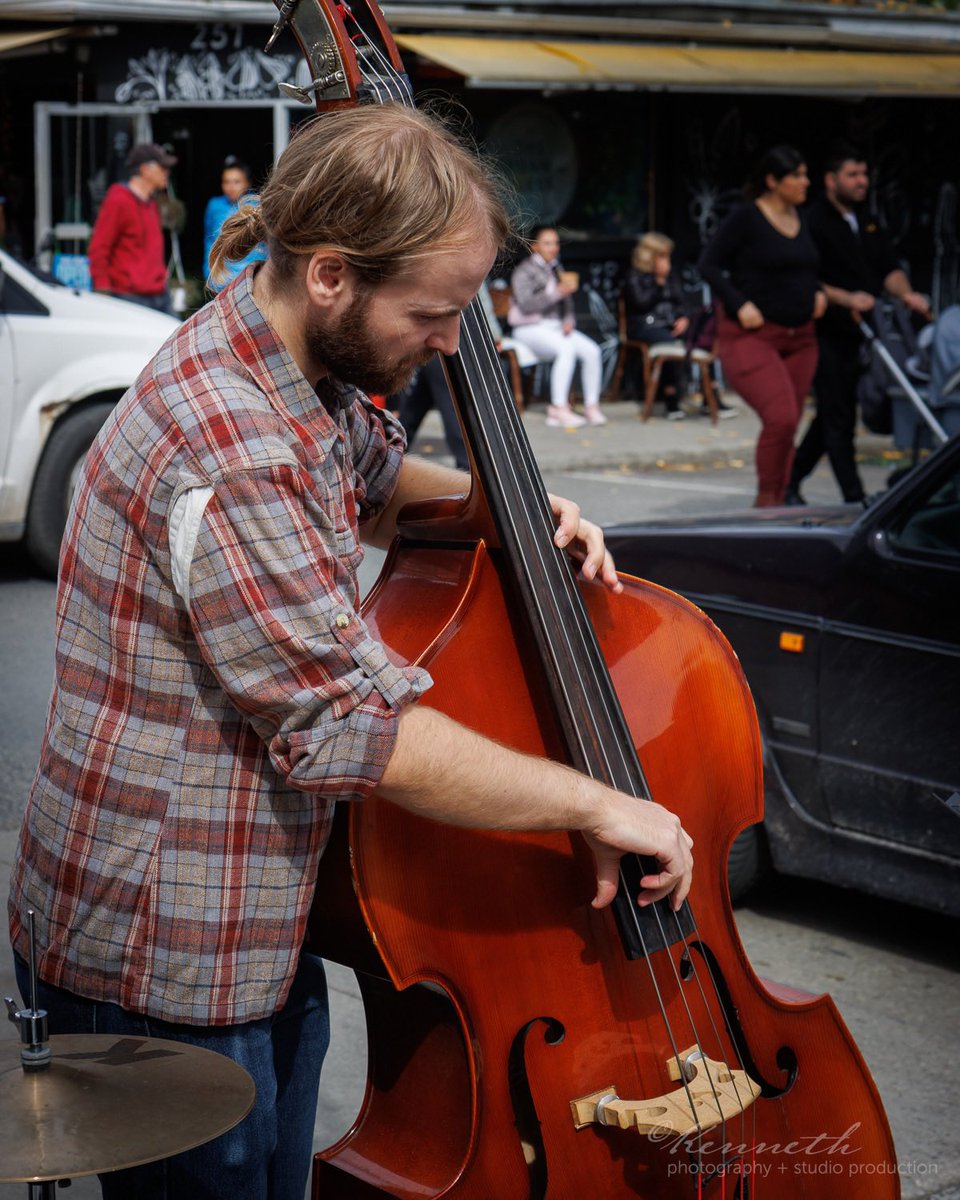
(857, 263)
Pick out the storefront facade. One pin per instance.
(206, 91)
(606, 137)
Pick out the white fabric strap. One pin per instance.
(183, 530)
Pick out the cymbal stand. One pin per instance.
(35, 1052)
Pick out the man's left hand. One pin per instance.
(583, 541)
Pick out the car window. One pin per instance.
(17, 301)
(934, 525)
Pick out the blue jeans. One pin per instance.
(267, 1156)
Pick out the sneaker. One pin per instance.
(724, 411)
(677, 415)
(593, 416)
(563, 418)
(793, 499)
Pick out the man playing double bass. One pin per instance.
(217, 691)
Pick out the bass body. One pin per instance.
(496, 996)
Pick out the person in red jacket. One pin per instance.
(126, 249)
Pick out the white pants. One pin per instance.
(550, 344)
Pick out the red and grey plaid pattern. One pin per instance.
(192, 757)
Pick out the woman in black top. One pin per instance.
(763, 266)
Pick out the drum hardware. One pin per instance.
(88, 1104)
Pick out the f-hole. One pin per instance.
(786, 1055)
(524, 1110)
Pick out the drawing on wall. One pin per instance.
(888, 196)
(604, 277)
(246, 74)
(709, 204)
(715, 186)
(537, 150)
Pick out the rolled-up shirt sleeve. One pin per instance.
(272, 607)
(377, 442)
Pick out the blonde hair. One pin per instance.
(647, 249)
(383, 186)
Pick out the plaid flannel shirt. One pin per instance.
(195, 748)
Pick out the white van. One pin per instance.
(66, 358)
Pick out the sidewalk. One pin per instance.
(628, 444)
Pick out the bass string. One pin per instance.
(389, 81)
(476, 336)
(525, 485)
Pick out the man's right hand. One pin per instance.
(918, 303)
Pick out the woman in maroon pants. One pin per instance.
(763, 266)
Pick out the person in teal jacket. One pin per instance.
(235, 185)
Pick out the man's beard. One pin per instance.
(851, 197)
(350, 353)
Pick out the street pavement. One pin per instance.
(625, 444)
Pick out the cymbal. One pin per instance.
(108, 1102)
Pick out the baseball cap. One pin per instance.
(146, 152)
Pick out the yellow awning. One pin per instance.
(19, 38)
(501, 62)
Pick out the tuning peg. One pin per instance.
(303, 94)
(286, 12)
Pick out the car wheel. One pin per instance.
(749, 862)
(55, 481)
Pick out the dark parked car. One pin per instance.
(847, 623)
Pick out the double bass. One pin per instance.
(523, 1045)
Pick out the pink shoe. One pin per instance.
(594, 416)
(563, 418)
